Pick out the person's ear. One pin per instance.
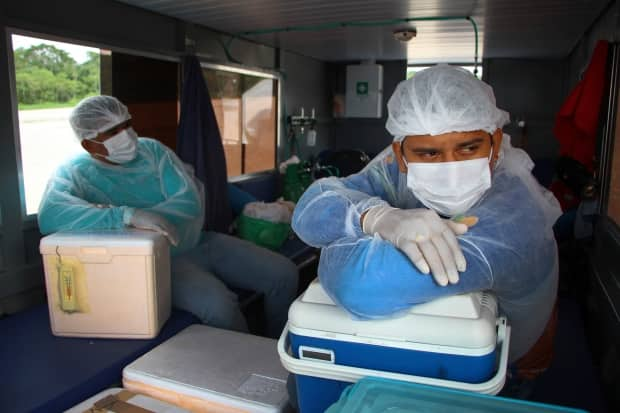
(402, 167)
(496, 138)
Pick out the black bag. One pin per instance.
(340, 163)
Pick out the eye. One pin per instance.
(470, 149)
(427, 154)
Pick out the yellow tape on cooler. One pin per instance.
(68, 275)
(67, 288)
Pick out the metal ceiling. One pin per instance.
(506, 28)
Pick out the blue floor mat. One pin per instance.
(43, 373)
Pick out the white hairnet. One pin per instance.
(443, 99)
(96, 114)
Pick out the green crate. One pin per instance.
(264, 233)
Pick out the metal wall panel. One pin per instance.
(507, 28)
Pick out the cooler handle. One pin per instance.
(86, 254)
(95, 255)
(352, 374)
(316, 354)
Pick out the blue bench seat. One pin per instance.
(44, 373)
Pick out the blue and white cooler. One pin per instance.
(456, 342)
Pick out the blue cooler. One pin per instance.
(372, 395)
(456, 342)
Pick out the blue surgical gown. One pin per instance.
(510, 251)
(87, 194)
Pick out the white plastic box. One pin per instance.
(115, 399)
(206, 369)
(111, 284)
(453, 342)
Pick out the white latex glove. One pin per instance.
(148, 220)
(428, 240)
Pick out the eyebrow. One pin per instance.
(429, 149)
(416, 150)
(424, 150)
(117, 127)
(470, 142)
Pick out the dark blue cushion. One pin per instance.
(44, 373)
(263, 187)
(239, 198)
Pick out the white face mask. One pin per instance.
(449, 188)
(122, 147)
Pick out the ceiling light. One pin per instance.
(405, 35)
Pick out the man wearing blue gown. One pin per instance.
(125, 181)
(450, 198)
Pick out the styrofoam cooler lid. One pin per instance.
(129, 240)
(139, 400)
(236, 369)
(461, 321)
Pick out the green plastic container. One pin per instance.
(372, 395)
(264, 233)
(296, 180)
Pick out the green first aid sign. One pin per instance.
(361, 88)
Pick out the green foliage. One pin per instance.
(45, 73)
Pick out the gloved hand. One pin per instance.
(428, 240)
(148, 220)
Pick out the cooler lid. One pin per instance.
(224, 366)
(131, 240)
(465, 320)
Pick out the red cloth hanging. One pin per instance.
(577, 120)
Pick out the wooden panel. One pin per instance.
(260, 129)
(157, 120)
(246, 112)
(227, 116)
(140, 79)
(613, 204)
(149, 88)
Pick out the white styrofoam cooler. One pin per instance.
(112, 284)
(456, 342)
(206, 369)
(108, 401)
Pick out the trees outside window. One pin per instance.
(50, 77)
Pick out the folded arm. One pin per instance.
(182, 204)
(63, 208)
(372, 278)
(331, 209)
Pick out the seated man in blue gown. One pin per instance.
(125, 181)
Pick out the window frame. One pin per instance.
(26, 218)
(610, 139)
(29, 220)
(264, 73)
